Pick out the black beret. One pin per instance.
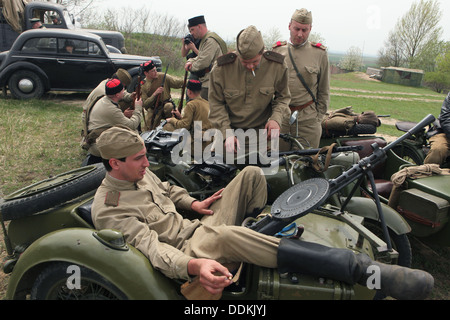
(149, 65)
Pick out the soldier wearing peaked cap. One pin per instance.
(249, 89)
(210, 48)
(309, 78)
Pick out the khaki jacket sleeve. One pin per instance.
(280, 105)
(206, 55)
(187, 120)
(323, 90)
(118, 118)
(218, 115)
(166, 258)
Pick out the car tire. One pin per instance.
(52, 192)
(19, 79)
(53, 284)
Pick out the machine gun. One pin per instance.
(309, 195)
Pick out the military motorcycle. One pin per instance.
(55, 252)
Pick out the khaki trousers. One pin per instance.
(221, 237)
(440, 149)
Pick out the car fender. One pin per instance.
(128, 269)
(366, 208)
(10, 69)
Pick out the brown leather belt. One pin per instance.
(299, 108)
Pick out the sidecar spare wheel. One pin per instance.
(51, 192)
(301, 199)
(53, 284)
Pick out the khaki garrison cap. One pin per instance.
(249, 43)
(302, 16)
(124, 77)
(119, 143)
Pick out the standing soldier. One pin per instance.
(309, 78)
(249, 89)
(156, 96)
(211, 47)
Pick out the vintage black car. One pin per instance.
(61, 60)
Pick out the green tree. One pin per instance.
(439, 80)
(414, 35)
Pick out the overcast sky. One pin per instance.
(343, 24)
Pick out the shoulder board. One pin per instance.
(318, 45)
(226, 59)
(274, 56)
(112, 198)
(279, 44)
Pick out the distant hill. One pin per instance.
(335, 57)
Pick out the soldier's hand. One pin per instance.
(232, 145)
(273, 130)
(128, 113)
(188, 66)
(213, 276)
(203, 206)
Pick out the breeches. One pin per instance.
(440, 149)
(221, 237)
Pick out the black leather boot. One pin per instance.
(344, 265)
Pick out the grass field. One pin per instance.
(41, 138)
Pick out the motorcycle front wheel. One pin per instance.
(55, 283)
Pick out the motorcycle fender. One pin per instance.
(366, 208)
(128, 269)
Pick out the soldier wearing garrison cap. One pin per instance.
(309, 78)
(106, 113)
(210, 48)
(132, 200)
(249, 89)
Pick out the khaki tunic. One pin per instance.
(149, 101)
(208, 52)
(146, 213)
(196, 110)
(106, 114)
(312, 62)
(96, 95)
(239, 100)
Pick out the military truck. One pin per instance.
(16, 15)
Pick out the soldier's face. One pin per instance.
(152, 74)
(251, 64)
(134, 168)
(299, 32)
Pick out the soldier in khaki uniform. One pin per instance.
(210, 48)
(134, 201)
(106, 113)
(154, 92)
(249, 89)
(195, 114)
(311, 99)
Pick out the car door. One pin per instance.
(84, 67)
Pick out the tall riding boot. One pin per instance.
(344, 265)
